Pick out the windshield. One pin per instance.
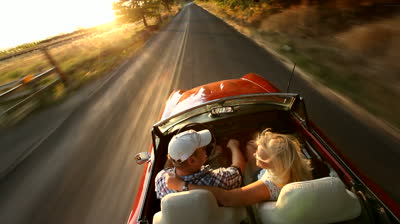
(240, 105)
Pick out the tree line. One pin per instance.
(289, 3)
(135, 10)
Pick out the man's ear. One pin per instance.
(191, 160)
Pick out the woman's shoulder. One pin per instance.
(264, 174)
(274, 189)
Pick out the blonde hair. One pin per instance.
(284, 154)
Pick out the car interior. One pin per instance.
(325, 199)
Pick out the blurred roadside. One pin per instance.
(90, 62)
(19, 140)
(81, 57)
(351, 49)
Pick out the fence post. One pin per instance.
(63, 77)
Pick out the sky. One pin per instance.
(24, 21)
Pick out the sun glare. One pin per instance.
(26, 21)
(91, 12)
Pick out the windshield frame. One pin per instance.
(281, 101)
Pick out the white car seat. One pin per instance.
(196, 207)
(323, 200)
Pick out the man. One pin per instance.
(187, 151)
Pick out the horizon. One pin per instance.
(44, 19)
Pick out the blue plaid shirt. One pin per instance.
(227, 178)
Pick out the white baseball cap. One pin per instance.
(183, 145)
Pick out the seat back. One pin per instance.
(324, 200)
(196, 207)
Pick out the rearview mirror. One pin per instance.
(142, 157)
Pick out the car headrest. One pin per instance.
(196, 207)
(323, 200)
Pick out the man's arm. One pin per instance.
(160, 184)
(237, 156)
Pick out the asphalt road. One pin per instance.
(85, 171)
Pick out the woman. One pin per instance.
(281, 158)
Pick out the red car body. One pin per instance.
(180, 102)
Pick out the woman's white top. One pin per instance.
(265, 176)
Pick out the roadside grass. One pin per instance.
(82, 60)
(85, 59)
(18, 67)
(358, 61)
(21, 49)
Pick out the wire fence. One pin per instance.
(17, 97)
(61, 65)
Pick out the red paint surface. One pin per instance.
(139, 198)
(248, 84)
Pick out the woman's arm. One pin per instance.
(247, 195)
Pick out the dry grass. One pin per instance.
(372, 39)
(18, 67)
(82, 60)
(89, 55)
(361, 62)
(294, 21)
(380, 41)
(252, 15)
(79, 50)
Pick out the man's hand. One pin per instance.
(251, 149)
(174, 182)
(237, 157)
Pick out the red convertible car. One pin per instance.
(239, 108)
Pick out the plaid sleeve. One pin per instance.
(161, 186)
(227, 178)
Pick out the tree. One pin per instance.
(134, 10)
(167, 4)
